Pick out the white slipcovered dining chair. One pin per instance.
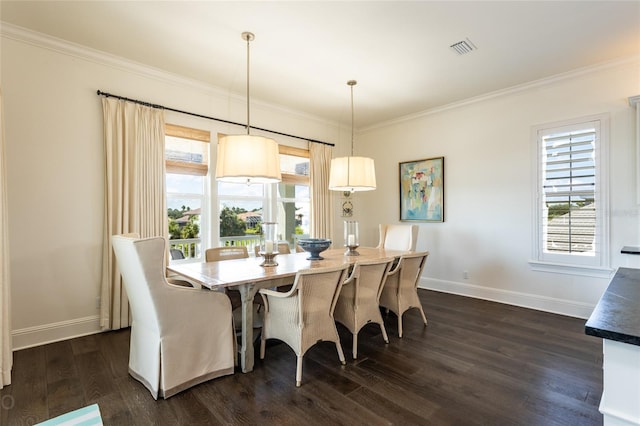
(398, 237)
(358, 303)
(303, 316)
(400, 292)
(180, 336)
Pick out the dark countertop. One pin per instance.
(630, 250)
(617, 314)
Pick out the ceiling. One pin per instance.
(305, 51)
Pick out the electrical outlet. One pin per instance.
(98, 302)
(465, 275)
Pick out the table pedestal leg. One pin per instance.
(247, 292)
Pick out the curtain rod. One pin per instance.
(148, 104)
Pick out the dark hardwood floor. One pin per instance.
(477, 362)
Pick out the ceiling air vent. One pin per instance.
(462, 47)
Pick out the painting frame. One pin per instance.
(422, 190)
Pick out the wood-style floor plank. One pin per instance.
(28, 404)
(476, 363)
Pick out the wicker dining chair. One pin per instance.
(400, 292)
(358, 303)
(216, 254)
(303, 316)
(283, 248)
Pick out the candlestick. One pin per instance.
(351, 237)
(268, 247)
(269, 244)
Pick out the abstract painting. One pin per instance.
(422, 190)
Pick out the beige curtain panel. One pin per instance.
(135, 199)
(6, 354)
(320, 165)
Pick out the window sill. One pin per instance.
(559, 268)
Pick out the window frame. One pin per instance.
(296, 180)
(578, 264)
(186, 168)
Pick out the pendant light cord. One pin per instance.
(352, 121)
(352, 83)
(248, 37)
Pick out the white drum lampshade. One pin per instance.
(248, 159)
(352, 174)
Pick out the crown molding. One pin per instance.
(65, 47)
(79, 51)
(513, 89)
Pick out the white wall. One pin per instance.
(489, 172)
(55, 159)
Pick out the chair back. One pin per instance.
(216, 254)
(368, 279)
(318, 290)
(411, 267)
(141, 264)
(398, 237)
(283, 248)
(176, 254)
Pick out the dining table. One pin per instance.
(247, 275)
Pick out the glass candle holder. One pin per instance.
(269, 243)
(351, 237)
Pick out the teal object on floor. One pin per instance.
(87, 416)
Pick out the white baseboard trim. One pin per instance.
(616, 417)
(48, 333)
(41, 335)
(525, 300)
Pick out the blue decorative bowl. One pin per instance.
(314, 246)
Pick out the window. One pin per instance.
(571, 199)
(187, 159)
(293, 197)
(241, 206)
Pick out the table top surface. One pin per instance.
(617, 314)
(229, 273)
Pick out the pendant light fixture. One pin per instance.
(246, 158)
(352, 174)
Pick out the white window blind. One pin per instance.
(569, 177)
(571, 196)
(186, 150)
